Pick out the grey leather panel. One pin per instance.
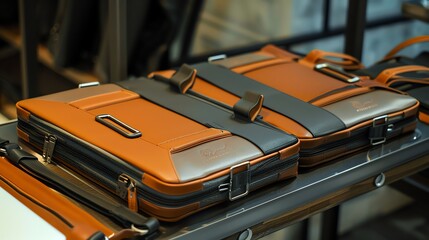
(368, 106)
(207, 158)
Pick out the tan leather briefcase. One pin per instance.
(332, 112)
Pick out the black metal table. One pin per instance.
(315, 190)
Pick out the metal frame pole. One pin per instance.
(117, 40)
(355, 28)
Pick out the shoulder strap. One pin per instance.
(402, 45)
(302, 112)
(266, 138)
(116, 211)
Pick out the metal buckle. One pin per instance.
(377, 122)
(339, 74)
(123, 185)
(231, 180)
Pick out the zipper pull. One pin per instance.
(126, 189)
(48, 147)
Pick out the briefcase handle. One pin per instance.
(135, 225)
(342, 60)
(392, 75)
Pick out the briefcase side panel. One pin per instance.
(360, 108)
(173, 214)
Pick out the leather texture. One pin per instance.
(292, 75)
(213, 156)
(360, 108)
(407, 74)
(393, 75)
(265, 137)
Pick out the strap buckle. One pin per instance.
(380, 128)
(231, 187)
(335, 72)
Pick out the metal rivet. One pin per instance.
(379, 180)
(246, 235)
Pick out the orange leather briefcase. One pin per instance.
(332, 112)
(177, 153)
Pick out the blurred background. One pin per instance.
(48, 46)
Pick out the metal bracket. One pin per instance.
(379, 180)
(379, 122)
(232, 170)
(88, 84)
(216, 57)
(124, 184)
(337, 73)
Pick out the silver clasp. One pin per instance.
(378, 122)
(230, 186)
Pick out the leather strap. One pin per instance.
(267, 138)
(391, 75)
(296, 109)
(184, 79)
(404, 44)
(118, 212)
(318, 56)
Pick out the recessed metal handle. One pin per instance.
(118, 126)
